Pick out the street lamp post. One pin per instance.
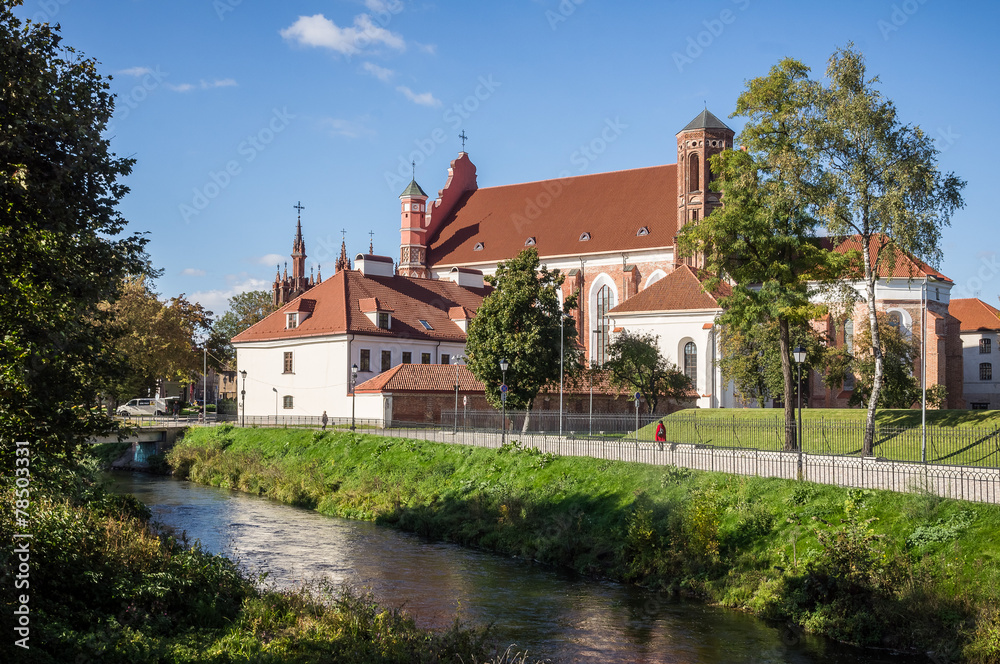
(800, 356)
(503, 402)
(354, 380)
(454, 430)
(243, 395)
(275, 390)
(561, 355)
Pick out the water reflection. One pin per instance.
(549, 612)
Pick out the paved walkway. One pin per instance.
(962, 482)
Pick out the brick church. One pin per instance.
(614, 236)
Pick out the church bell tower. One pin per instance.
(413, 232)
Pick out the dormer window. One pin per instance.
(384, 320)
(292, 320)
(479, 246)
(530, 242)
(584, 237)
(642, 231)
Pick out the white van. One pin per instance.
(140, 407)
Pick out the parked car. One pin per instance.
(140, 407)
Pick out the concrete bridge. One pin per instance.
(145, 441)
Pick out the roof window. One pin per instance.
(530, 242)
(642, 231)
(479, 246)
(584, 236)
(427, 326)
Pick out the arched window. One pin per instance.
(849, 335)
(693, 172)
(605, 301)
(691, 362)
(895, 319)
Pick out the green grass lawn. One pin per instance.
(954, 437)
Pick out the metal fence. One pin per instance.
(590, 424)
(960, 462)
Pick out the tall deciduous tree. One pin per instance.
(63, 250)
(763, 237)
(156, 339)
(880, 181)
(245, 309)
(520, 322)
(634, 361)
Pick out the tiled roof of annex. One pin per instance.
(335, 309)
(681, 290)
(903, 267)
(611, 208)
(974, 314)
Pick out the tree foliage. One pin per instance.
(750, 361)
(763, 237)
(633, 360)
(520, 322)
(155, 339)
(62, 244)
(878, 178)
(245, 309)
(900, 387)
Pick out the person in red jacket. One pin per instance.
(661, 432)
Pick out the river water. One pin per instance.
(554, 615)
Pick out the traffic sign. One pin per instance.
(503, 388)
(637, 395)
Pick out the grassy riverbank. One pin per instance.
(912, 572)
(103, 587)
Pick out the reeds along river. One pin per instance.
(551, 614)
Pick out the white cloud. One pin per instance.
(321, 32)
(430, 49)
(136, 71)
(192, 272)
(271, 259)
(217, 300)
(381, 73)
(346, 128)
(381, 6)
(424, 98)
(203, 84)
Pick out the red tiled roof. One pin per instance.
(422, 378)
(904, 265)
(974, 314)
(611, 207)
(336, 308)
(678, 291)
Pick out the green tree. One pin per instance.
(763, 236)
(520, 322)
(900, 388)
(156, 339)
(633, 360)
(63, 249)
(245, 310)
(880, 181)
(750, 361)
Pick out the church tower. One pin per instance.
(413, 232)
(286, 289)
(703, 137)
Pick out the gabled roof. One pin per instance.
(681, 290)
(974, 314)
(705, 120)
(611, 207)
(337, 309)
(903, 266)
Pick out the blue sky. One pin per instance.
(236, 110)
